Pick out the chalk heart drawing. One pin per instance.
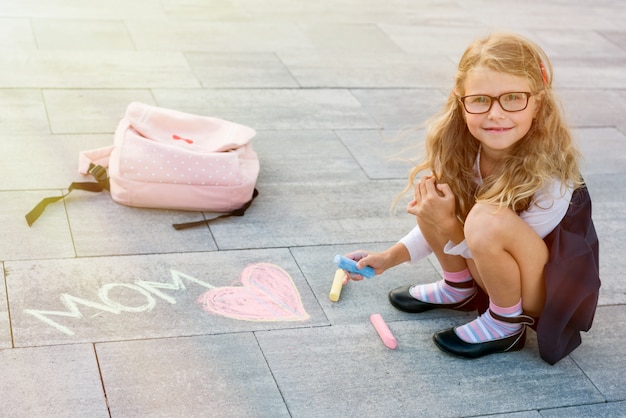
(267, 293)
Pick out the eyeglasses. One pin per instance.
(510, 102)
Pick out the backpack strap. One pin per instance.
(98, 156)
(236, 212)
(102, 183)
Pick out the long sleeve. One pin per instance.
(416, 244)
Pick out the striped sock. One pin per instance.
(442, 292)
(487, 328)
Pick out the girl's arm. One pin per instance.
(379, 261)
(416, 245)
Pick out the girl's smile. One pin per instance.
(497, 129)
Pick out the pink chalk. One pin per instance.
(383, 331)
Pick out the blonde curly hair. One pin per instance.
(547, 151)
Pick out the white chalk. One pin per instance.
(383, 331)
(335, 290)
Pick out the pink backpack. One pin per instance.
(166, 159)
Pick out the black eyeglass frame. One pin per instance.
(493, 99)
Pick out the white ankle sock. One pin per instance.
(442, 292)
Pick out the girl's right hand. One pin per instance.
(365, 258)
(433, 203)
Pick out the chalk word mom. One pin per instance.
(267, 293)
(149, 290)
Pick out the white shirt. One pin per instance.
(543, 215)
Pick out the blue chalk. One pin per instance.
(350, 265)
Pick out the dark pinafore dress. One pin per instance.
(572, 281)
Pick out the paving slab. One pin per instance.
(621, 124)
(296, 157)
(234, 36)
(311, 377)
(618, 37)
(273, 109)
(615, 12)
(5, 324)
(401, 108)
(602, 350)
(299, 214)
(16, 34)
(384, 154)
(351, 69)
(229, 378)
(36, 162)
(365, 38)
(78, 34)
(154, 296)
(24, 113)
(243, 70)
(602, 410)
(219, 10)
(103, 227)
(355, 11)
(590, 73)
(603, 149)
(609, 213)
(576, 43)
(50, 237)
(58, 381)
(71, 9)
(558, 15)
(93, 69)
(100, 110)
(525, 414)
(426, 40)
(592, 108)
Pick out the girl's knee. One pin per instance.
(486, 226)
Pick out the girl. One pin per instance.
(504, 209)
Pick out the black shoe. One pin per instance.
(450, 342)
(401, 299)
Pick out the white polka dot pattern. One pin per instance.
(143, 161)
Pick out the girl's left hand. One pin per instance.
(433, 203)
(372, 259)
